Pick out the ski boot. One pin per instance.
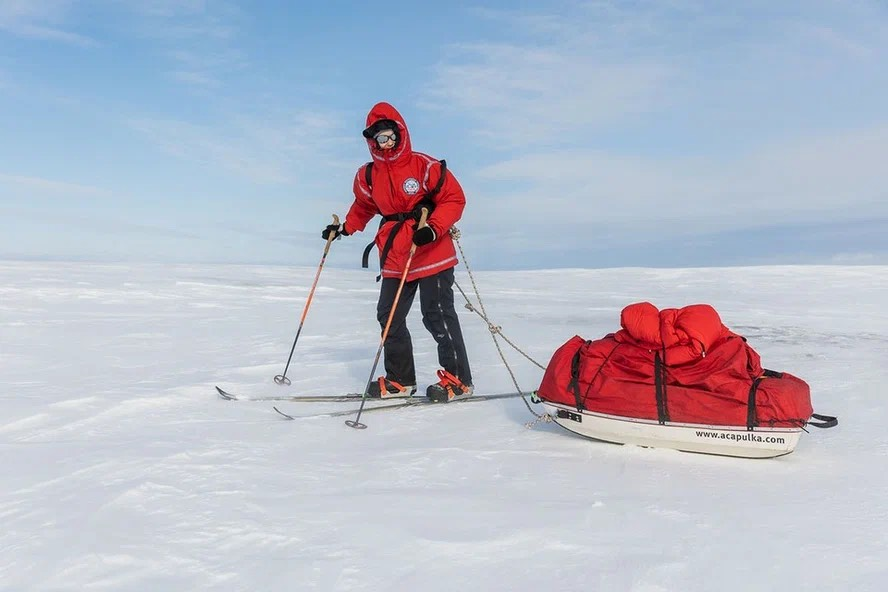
(448, 388)
(383, 388)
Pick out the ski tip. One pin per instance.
(226, 396)
(286, 416)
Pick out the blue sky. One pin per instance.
(586, 134)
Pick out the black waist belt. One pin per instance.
(399, 220)
(398, 217)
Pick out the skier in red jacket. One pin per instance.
(397, 184)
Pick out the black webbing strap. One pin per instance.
(828, 421)
(365, 258)
(401, 217)
(751, 421)
(574, 384)
(660, 389)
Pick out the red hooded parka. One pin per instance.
(400, 180)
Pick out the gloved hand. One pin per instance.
(336, 229)
(424, 236)
(416, 213)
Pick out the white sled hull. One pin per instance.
(707, 439)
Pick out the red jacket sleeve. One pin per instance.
(449, 203)
(363, 209)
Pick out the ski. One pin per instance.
(411, 402)
(228, 396)
(345, 412)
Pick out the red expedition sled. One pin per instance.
(677, 378)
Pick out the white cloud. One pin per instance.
(198, 37)
(827, 176)
(600, 65)
(194, 34)
(572, 72)
(25, 187)
(511, 88)
(91, 226)
(40, 19)
(202, 68)
(269, 149)
(196, 79)
(209, 146)
(837, 41)
(166, 8)
(859, 259)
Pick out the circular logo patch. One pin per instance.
(411, 186)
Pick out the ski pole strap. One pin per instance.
(828, 421)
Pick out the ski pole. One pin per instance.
(282, 378)
(356, 423)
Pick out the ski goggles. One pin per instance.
(384, 137)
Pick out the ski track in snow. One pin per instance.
(123, 470)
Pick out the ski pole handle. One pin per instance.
(333, 236)
(422, 222)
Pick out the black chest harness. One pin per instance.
(400, 218)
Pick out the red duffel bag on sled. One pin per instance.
(677, 378)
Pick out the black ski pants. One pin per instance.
(439, 318)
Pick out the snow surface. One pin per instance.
(122, 470)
